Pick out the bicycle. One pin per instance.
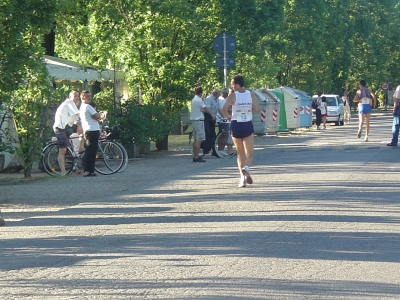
(224, 146)
(111, 157)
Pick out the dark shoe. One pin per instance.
(199, 159)
(214, 154)
(391, 144)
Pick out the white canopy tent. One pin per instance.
(62, 69)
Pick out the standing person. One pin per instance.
(324, 111)
(244, 103)
(366, 100)
(224, 124)
(396, 117)
(318, 110)
(212, 103)
(197, 119)
(346, 108)
(63, 122)
(76, 136)
(91, 129)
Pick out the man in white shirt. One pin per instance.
(64, 117)
(91, 129)
(197, 119)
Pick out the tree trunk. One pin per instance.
(162, 145)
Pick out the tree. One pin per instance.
(23, 76)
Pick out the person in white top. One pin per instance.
(244, 103)
(91, 129)
(324, 111)
(224, 124)
(63, 121)
(197, 119)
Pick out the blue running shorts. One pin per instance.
(364, 108)
(241, 130)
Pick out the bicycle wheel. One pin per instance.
(125, 164)
(224, 146)
(109, 158)
(51, 161)
(191, 142)
(43, 161)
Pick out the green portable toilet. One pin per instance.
(282, 111)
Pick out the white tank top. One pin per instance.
(242, 108)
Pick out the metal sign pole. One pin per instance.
(225, 59)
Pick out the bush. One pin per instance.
(142, 123)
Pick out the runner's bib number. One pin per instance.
(365, 100)
(243, 116)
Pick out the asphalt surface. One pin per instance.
(321, 221)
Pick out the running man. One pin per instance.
(244, 103)
(366, 100)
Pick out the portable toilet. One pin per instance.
(259, 120)
(292, 107)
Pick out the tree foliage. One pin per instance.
(165, 47)
(24, 85)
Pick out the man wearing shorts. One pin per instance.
(366, 100)
(64, 118)
(197, 119)
(244, 103)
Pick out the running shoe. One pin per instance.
(359, 133)
(246, 173)
(242, 182)
(366, 139)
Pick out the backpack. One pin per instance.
(314, 104)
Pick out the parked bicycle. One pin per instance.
(224, 146)
(111, 156)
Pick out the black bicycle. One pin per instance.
(111, 157)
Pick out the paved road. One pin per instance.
(320, 222)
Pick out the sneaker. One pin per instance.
(366, 139)
(324, 128)
(391, 144)
(199, 159)
(242, 182)
(246, 173)
(359, 133)
(318, 128)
